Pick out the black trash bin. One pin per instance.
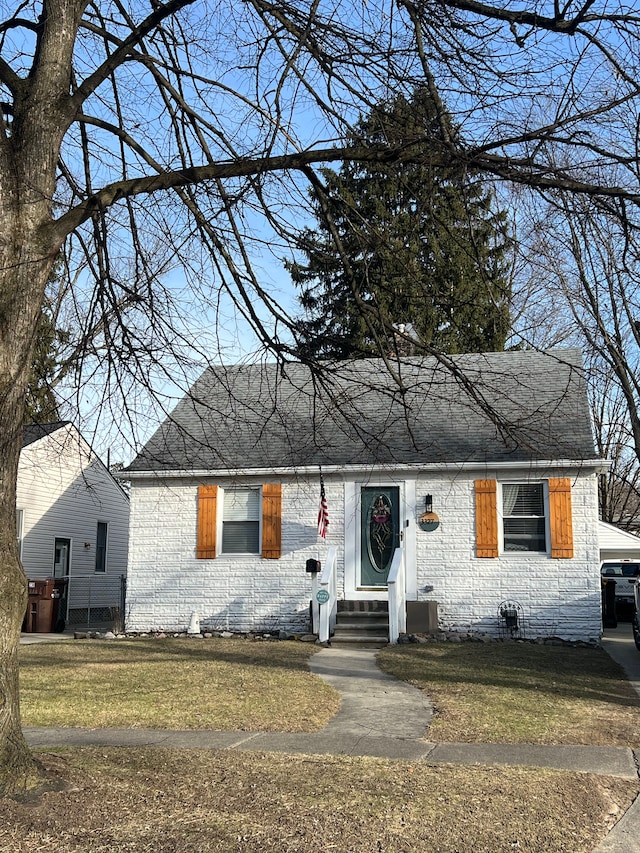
(609, 618)
(59, 599)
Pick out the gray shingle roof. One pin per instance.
(492, 407)
(34, 432)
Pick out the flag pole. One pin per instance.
(323, 510)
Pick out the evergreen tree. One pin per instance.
(41, 404)
(424, 246)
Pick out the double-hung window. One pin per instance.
(524, 526)
(524, 517)
(241, 521)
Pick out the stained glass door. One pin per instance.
(379, 533)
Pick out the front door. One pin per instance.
(379, 533)
(61, 563)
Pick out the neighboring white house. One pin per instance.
(225, 495)
(72, 521)
(617, 544)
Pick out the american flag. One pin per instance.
(323, 512)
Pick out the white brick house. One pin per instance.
(224, 497)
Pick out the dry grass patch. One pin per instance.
(139, 800)
(521, 693)
(174, 684)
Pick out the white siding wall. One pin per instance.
(166, 583)
(63, 491)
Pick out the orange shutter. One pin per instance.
(486, 518)
(271, 521)
(560, 522)
(207, 522)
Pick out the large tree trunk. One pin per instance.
(24, 270)
(23, 273)
(29, 150)
(27, 251)
(18, 770)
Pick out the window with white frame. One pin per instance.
(241, 521)
(524, 525)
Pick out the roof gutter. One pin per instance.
(598, 466)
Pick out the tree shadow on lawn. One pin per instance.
(275, 653)
(225, 802)
(569, 672)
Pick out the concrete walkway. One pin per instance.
(31, 639)
(384, 718)
(618, 643)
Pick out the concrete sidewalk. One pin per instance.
(602, 760)
(384, 718)
(31, 639)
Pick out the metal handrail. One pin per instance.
(328, 582)
(397, 597)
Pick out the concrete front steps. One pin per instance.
(361, 624)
